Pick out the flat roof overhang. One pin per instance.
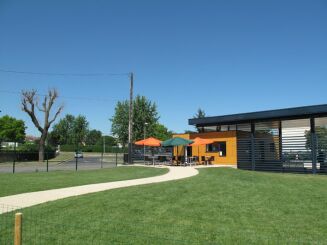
(279, 114)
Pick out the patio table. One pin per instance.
(207, 159)
(191, 160)
(153, 157)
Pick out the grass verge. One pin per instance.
(218, 206)
(28, 182)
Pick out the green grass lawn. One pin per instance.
(27, 182)
(218, 206)
(62, 157)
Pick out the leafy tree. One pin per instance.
(199, 114)
(321, 144)
(30, 100)
(321, 136)
(145, 119)
(93, 137)
(80, 130)
(70, 130)
(109, 140)
(161, 132)
(119, 126)
(11, 129)
(62, 132)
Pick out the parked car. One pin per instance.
(78, 154)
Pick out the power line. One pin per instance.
(64, 97)
(63, 74)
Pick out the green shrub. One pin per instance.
(91, 148)
(26, 152)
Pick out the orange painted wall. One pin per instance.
(231, 146)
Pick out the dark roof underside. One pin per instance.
(288, 113)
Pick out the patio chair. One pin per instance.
(179, 160)
(162, 160)
(196, 160)
(211, 159)
(192, 161)
(168, 160)
(183, 161)
(156, 160)
(203, 160)
(146, 160)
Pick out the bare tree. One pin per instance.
(30, 100)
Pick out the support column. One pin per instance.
(313, 145)
(280, 138)
(252, 146)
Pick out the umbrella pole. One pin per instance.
(152, 155)
(185, 155)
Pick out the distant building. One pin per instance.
(31, 138)
(8, 144)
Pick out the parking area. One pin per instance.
(69, 162)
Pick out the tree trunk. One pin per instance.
(41, 148)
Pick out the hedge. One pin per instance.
(92, 148)
(26, 152)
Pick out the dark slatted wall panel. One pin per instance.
(244, 146)
(267, 146)
(321, 142)
(284, 146)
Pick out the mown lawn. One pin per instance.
(11, 184)
(63, 156)
(218, 206)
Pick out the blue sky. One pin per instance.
(223, 56)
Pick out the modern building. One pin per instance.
(287, 140)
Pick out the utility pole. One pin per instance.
(130, 122)
(104, 144)
(103, 150)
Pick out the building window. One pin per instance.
(219, 147)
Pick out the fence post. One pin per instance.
(18, 229)
(14, 162)
(76, 159)
(47, 161)
(102, 156)
(102, 160)
(116, 159)
(253, 145)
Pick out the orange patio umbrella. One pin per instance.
(153, 142)
(149, 142)
(200, 141)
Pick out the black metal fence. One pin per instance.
(147, 154)
(298, 145)
(14, 161)
(43, 227)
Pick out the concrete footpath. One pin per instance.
(33, 198)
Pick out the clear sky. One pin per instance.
(223, 56)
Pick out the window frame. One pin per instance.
(219, 148)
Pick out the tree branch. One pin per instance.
(56, 115)
(28, 98)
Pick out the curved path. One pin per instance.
(33, 198)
